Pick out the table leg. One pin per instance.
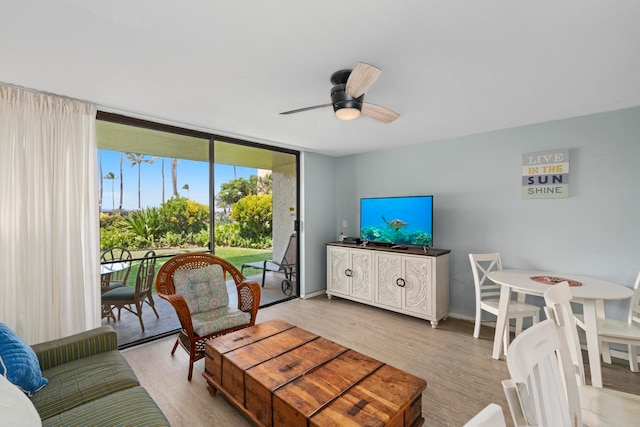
(593, 344)
(501, 322)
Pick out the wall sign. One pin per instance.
(545, 174)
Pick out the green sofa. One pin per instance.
(91, 384)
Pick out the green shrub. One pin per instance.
(226, 234)
(115, 236)
(202, 238)
(171, 239)
(109, 219)
(254, 214)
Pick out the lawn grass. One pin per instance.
(236, 256)
(239, 256)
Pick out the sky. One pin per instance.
(191, 173)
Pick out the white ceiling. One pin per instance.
(450, 68)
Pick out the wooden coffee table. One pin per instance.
(278, 374)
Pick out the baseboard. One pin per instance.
(314, 294)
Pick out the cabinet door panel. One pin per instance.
(361, 270)
(388, 271)
(418, 290)
(338, 265)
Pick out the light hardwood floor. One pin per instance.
(461, 376)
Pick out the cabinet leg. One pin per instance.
(434, 323)
(329, 296)
(212, 390)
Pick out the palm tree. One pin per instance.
(138, 159)
(112, 177)
(186, 187)
(163, 180)
(174, 176)
(121, 184)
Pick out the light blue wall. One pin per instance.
(476, 181)
(318, 205)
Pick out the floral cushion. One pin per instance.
(208, 322)
(204, 289)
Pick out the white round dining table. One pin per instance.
(591, 293)
(113, 267)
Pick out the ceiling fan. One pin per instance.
(347, 95)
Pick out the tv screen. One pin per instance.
(397, 220)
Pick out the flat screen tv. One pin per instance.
(404, 220)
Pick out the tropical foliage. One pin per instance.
(181, 222)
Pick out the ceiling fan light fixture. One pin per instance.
(347, 113)
(345, 107)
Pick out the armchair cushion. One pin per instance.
(203, 289)
(208, 322)
(18, 362)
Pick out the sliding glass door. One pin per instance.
(257, 213)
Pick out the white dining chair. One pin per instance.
(539, 364)
(599, 406)
(488, 295)
(617, 331)
(490, 416)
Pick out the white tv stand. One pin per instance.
(409, 281)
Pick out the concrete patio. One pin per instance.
(130, 333)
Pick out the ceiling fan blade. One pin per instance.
(377, 112)
(300, 110)
(361, 79)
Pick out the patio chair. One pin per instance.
(287, 265)
(115, 266)
(132, 298)
(195, 286)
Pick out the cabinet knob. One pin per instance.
(348, 272)
(400, 282)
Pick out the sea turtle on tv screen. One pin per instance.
(396, 223)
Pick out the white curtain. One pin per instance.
(49, 220)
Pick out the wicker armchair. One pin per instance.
(191, 342)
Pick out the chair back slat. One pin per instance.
(558, 307)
